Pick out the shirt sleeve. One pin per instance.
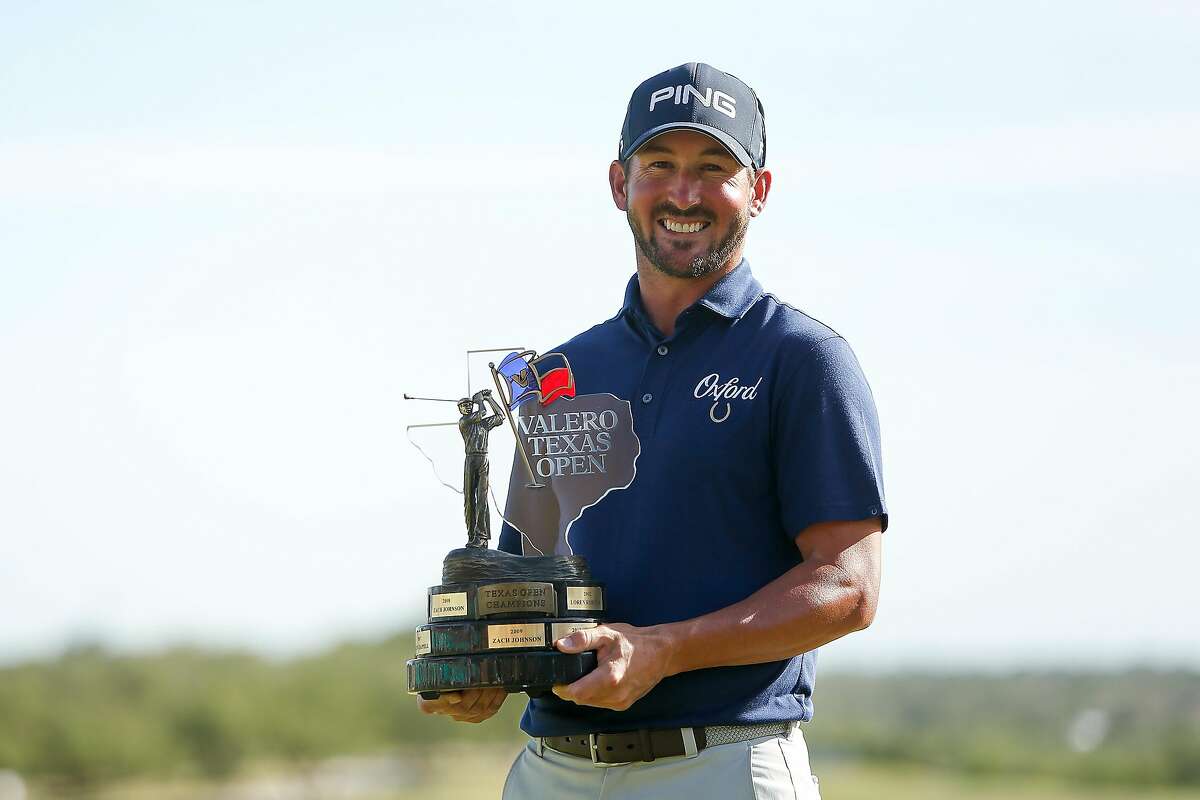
(825, 437)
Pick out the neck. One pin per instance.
(665, 296)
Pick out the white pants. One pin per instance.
(771, 768)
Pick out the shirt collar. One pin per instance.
(731, 297)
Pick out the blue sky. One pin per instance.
(231, 235)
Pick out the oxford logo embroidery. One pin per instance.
(711, 386)
(711, 98)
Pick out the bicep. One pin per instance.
(854, 546)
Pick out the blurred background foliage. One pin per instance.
(90, 718)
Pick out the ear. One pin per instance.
(762, 188)
(616, 182)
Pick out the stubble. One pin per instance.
(712, 261)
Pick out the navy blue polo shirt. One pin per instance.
(755, 422)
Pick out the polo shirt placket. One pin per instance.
(651, 393)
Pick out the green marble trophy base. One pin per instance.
(493, 621)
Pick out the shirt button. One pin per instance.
(647, 397)
(662, 350)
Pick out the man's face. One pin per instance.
(465, 407)
(688, 202)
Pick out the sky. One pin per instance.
(232, 235)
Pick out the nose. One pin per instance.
(684, 191)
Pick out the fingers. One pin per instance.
(600, 688)
(441, 704)
(482, 705)
(493, 705)
(586, 639)
(614, 683)
(470, 702)
(469, 705)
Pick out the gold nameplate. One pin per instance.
(452, 604)
(523, 634)
(503, 598)
(424, 645)
(560, 629)
(585, 598)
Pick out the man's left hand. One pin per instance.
(630, 662)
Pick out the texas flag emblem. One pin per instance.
(528, 376)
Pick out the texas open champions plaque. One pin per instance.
(494, 618)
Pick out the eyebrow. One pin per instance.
(716, 150)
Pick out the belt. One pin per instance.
(646, 745)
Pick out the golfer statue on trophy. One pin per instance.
(475, 427)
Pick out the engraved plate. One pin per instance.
(521, 634)
(453, 604)
(560, 629)
(585, 598)
(424, 645)
(505, 598)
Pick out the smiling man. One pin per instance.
(752, 533)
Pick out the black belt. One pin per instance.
(647, 745)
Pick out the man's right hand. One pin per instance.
(469, 705)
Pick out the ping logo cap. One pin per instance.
(696, 96)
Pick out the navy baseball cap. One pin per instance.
(696, 96)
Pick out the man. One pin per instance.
(475, 427)
(751, 534)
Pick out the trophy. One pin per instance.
(494, 617)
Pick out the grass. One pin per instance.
(458, 770)
(876, 782)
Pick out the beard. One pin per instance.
(699, 266)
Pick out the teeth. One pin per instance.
(684, 227)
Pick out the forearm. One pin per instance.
(830, 594)
(806, 607)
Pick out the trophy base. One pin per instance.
(466, 564)
(535, 673)
(495, 618)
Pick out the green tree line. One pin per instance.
(91, 716)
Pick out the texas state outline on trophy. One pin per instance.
(493, 620)
(581, 450)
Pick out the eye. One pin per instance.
(660, 164)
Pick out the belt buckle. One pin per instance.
(594, 752)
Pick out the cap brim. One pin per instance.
(728, 142)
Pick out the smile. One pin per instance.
(682, 227)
